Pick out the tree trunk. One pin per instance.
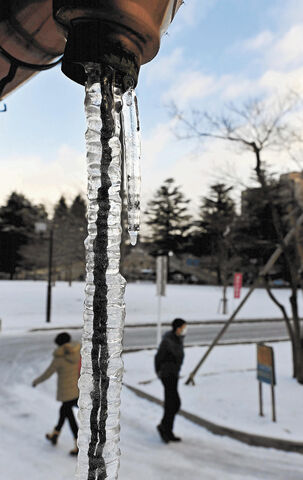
(70, 275)
(296, 340)
(219, 276)
(298, 348)
(288, 326)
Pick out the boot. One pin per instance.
(163, 433)
(53, 436)
(74, 451)
(172, 437)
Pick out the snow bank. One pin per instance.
(23, 304)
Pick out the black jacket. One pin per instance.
(170, 354)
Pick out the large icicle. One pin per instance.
(94, 153)
(101, 373)
(132, 156)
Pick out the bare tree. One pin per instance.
(259, 126)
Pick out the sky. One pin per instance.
(215, 52)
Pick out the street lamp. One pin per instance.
(41, 228)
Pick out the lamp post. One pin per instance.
(41, 227)
(49, 277)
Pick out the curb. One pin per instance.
(219, 344)
(244, 437)
(168, 324)
(212, 322)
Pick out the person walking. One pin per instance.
(66, 363)
(168, 361)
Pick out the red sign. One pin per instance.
(237, 285)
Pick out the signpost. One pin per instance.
(223, 301)
(238, 278)
(266, 374)
(161, 280)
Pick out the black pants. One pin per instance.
(172, 402)
(66, 411)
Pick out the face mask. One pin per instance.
(184, 331)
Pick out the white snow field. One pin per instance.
(26, 414)
(226, 390)
(23, 304)
(226, 393)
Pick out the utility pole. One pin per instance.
(41, 228)
(49, 281)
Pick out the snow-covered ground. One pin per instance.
(27, 413)
(226, 393)
(22, 304)
(226, 390)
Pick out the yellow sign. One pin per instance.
(265, 364)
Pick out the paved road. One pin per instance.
(145, 337)
(204, 334)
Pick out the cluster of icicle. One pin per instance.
(102, 367)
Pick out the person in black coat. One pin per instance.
(168, 361)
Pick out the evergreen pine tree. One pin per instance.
(61, 210)
(70, 231)
(69, 227)
(217, 213)
(79, 228)
(17, 229)
(168, 219)
(255, 233)
(78, 208)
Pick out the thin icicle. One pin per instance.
(132, 146)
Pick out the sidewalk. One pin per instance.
(225, 398)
